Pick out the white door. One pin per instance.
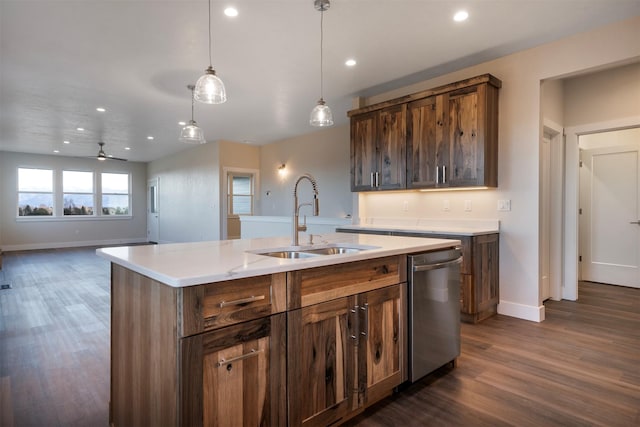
(545, 218)
(153, 226)
(609, 227)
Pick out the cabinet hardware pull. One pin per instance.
(437, 174)
(241, 301)
(444, 174)
(377, 179)
(365, 310)
(635, 222)
(223, 362)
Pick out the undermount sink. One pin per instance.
(334, 250)
(297, 252)
(288, 254)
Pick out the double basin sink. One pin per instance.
(297, 252)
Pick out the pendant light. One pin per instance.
(209, 88)
(191, 133)
(321, 114)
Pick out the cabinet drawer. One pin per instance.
(315, 285)
(214, 305)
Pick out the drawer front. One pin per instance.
(214, 305)
(315, 285)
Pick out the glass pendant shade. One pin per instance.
(192, 134)
(321, 115)
(209, 88)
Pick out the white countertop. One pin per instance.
(187, 264)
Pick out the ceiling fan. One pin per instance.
(102, 156)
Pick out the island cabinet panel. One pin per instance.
(235, 376)
(144, 337)
(321, 362)
(346, 338)
(214, 305)
(314, 285)
(381, 343)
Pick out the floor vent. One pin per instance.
(3, 287)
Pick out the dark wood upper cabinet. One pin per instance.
(378, 143)
(448, 134)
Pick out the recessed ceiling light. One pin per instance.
(66, 142)
(182, 123)
(150, 138)
(56, 151)
(231, 11)
(350, 62)
(80, 129)
(460, 16)
(101, 109)
(127, 148)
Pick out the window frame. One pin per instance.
(57, 194)
(93, 193)
(52, 193)
(230, 194)
(129, 213)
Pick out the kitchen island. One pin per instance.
(214, 333)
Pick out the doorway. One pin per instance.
(609, 230)
(153, 212)
(571, 237)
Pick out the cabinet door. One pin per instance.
(321, 362)
(391, 148)
(427, 150)
(364, 156)
(466, 154)
(235, 376)
(379, 358)
(486, 275)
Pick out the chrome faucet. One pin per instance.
(296, 207)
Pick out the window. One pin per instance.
(115, 194)
(240, 193)
(77, 193)
(35, 192)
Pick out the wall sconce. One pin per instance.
(282, 170)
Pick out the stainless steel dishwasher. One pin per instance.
(434, 310)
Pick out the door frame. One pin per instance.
(551, 241)
(153, 182)
(223, 195)
(572, 199)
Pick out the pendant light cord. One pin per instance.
(193, 101)
(321, 56)
(210, 62)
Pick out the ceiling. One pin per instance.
(59, 60)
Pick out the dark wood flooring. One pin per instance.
(580, 367)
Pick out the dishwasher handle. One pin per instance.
(427, 267)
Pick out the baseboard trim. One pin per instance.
(521, 311)
(61, 245)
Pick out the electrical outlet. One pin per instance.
(405, 205)
(467, 205)
(504, 205)
(446, 206)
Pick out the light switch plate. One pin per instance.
(467, 205)
(504, 205)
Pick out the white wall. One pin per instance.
(325, 155)
(66, 232)
(519, 134)
(188, 194)
(602, 96)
